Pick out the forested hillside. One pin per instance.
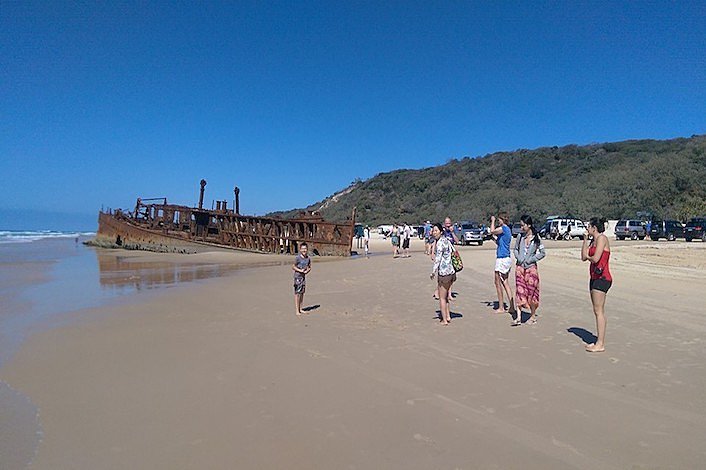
(666, 178)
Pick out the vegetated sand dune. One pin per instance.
(222, 374)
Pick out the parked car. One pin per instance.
(385, 230)
(632, 229)
(564, 229)
(471, 232)
(695, 228)
(544, 229)
(516, 229)
(669, 229)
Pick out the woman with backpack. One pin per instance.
(528, 251)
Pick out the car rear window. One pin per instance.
(621, 223)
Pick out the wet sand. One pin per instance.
(222, 374)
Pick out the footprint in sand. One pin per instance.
(421, 438)
(614, 360)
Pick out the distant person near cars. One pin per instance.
(503, 263)
(567, 234)
(528, 251)
(596, 249)
(395, 239)
(444, 271)
(406, 236)
(366, 241)
(428, 238)
(449, 231)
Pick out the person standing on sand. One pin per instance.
(395, 239)
(301, 267)
(503, 263)
(597, 251)
(447, 231)
(428, 239)
(366, 240)
(444, 270)
(406, 236)
(528, 251)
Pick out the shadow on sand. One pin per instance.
(453, 315)
(585, 335)
(310, 308)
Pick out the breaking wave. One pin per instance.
(27, 236)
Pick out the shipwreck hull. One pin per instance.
(181, 229)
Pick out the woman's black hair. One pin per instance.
(527, 220)
(599, 223)
(439, 226)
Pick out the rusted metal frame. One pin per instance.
(308, 240)
(302, 231)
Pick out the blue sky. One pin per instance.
(101, 102)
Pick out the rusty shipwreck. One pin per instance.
(156, 225)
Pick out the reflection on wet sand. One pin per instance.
(121, 273)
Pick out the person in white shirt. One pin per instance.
(406, 235)
(366, 240)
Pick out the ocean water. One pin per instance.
(45, 276)
(28, 236)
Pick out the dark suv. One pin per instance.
(669, 229)
(695, 228)
(632, 229)
(516, 229)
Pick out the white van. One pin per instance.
(566, 229)
(385, 230)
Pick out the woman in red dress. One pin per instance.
(596, 249)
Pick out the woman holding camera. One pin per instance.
(596, 249)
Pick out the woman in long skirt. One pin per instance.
(528, 251)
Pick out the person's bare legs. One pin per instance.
(533, 313)
(598, 301)
(298, 303)
(505, 282)
(448, 305)
(499, 290)
(444, 305)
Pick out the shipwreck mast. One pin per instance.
(236, 205)
(203, 186)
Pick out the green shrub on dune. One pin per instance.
(666, 178)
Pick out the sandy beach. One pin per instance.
(222, 374)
